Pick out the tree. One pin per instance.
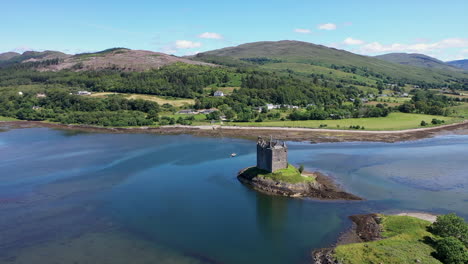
(301, 168)
(451, 225)
(451, 251)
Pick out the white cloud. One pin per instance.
(187, 44)
(302, 30)
(465, 51)
(190, 53)
(21, 49)
(210, 35)
(376, 47)
(327, 26)
(351, 41)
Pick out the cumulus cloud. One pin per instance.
(351, 41)
(376, 47)
(302, 30)
(187, 44)
(327, 26)
(210, 35)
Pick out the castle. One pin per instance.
(271, 155)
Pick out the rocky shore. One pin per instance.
(282, 133)
(365, 228)
(322, 188)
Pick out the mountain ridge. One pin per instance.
(417, 60)
(461, 64)
(114, 58)
(298, 56)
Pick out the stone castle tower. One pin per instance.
(271, 155)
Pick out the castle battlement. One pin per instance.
(272, 154)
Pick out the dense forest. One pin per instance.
(315, 99)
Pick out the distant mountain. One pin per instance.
(417, 60)
(32, 56)
(8, 55)
(115, 58)
(307, 58)
(462, 64)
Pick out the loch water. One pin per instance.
(74, 197)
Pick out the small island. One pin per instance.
(274, 175)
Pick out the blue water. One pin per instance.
(180, 194)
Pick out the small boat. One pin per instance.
(233, 155)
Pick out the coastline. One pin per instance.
(364, 228)
(314, 135)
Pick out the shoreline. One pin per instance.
(314, 135)
(364, 228)
(323, 188)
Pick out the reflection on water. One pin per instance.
(133, 198)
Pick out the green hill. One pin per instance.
(307, 58)
(417, 60)
(462, 64)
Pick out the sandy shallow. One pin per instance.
(103, 247)
(424, 216)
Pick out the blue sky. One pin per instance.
(436, 28)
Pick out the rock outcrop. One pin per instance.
(322, 188)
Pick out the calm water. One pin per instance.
(70, 197)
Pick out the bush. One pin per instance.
(301, 168)
(423, 123)
(451, 225)
(451, 250)
(437, 121)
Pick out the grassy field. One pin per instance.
(460, 110)
(291, 174)
(225, 90)
(160, 100)
(403, 243)
(3, 118)
(394, 121)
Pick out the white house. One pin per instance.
(218, 93)
(83, 93)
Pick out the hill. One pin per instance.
(462, 64)
(307, 58)
(15, 58)
(417, 60)
(115, 58)
(8, 55)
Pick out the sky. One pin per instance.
(183, 27)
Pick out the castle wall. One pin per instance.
(279, 159)
(271, 158)
(264, 158)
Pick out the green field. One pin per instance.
(403, 243)
(394, 121)
(3, 118)
(177, 102)
(460, 110)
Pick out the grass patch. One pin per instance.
(177, 102)
(4, 118)
(403, 243)
(290, 174)
(460, 110)
(394, 121)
